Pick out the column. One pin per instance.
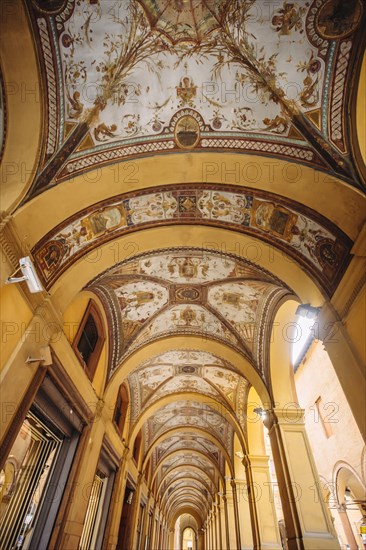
(226, 516)
(307, 521)
(73, 527)
(216, 543)
(152, 532)
(346, 362)
(347, 527)
(210, 546)
(245, 519)
(136, 511)
(171, 539)
(222, 523)
(261, 502)
(236, 514)
(218, 519)
(211, 534)
(120, 486)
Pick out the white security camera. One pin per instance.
(29, 276)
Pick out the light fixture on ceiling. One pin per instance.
(306, 310)
(29, 275)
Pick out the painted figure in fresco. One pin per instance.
(52, 256)
(102, 132)
(316, 243)
(72, 240)
(309, 95)
(238, 300)
(288, 18)
(186, 91)
(278, 124)
(105, 220)
(188, 269)
(77, 107)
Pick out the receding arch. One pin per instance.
(193, 396)
(194, 430)
(172, 343)
(193, 452)
(183, 468)
(185, 492)
(219, 240)
(184, 479)
(344, 477)
(187, 168)
(196, 516)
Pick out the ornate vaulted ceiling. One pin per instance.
(124, 81)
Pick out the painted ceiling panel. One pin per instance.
(185, 319)
(189, 414)
(319, 246)
(168, 372)
(124, 80)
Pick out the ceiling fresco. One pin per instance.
(190, 414)
(189, 459)
(318, 245)
(145, 303)
(126, 79)
(186, 371)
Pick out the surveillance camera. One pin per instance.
(29, 272)
(29, 276)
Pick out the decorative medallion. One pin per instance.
(337, 19)
(187, 132)
(187, 294)
(188, 369)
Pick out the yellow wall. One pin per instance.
(15, 317)
(355, 324)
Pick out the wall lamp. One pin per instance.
(261, 412)
(306, 310)
(29, 275)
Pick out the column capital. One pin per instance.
(258, 460)
(292, 413)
